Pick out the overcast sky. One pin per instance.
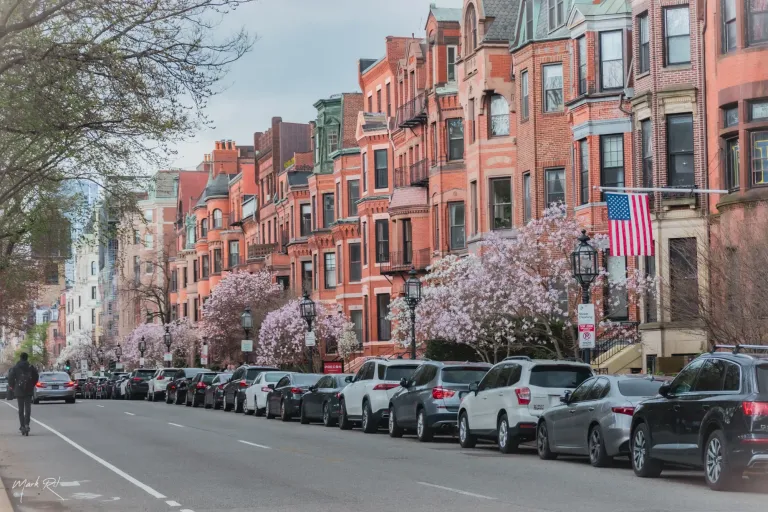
(306, 50)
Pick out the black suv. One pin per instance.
(714, 416)
(234, 390)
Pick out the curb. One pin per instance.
(6, 505)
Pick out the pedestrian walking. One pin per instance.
(22, 379)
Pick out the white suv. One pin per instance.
(159, 382)
(366, 398)
(506, 404)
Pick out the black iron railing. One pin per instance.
(420, 172)
(413, 112)
(403, 261)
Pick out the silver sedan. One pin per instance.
(54, 386)
(595, 418)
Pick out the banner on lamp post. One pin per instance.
(205, 351)
(141, 362)
(586, 326)
(204, 360)
(309, 339)
(84, 365)
(246, 345)
(167, 357)
(118, 366)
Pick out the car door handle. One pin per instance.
(572, 411)
(676, 407)
(591, 409)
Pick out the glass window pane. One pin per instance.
(678, 22)
(553, 87)
(732, 116)
(759, 111)
(680, 133)
(555, 186)
(760, 158)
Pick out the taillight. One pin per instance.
(523, 396)
(297, 391)
(200, 385)
(755, 408)
(69, 384)
(221, 386)
(439, 393)
(384, 386)
(40, 385)
(338, 396)
(137, 379)
(265, 389)
(172, 386)
(160, 377)
(629, 411)
(243, 384)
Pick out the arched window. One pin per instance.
(499, 116)
(217, 219)
(203, 228)
(93, 268)
(470, 30)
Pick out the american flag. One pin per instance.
(629, 225)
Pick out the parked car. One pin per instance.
(595, 419)
(428, 402)
(3, 387)
(89, 390)
(176, 392)
(136, 385)
(79, 387)
(256, 393)
(113, 384)
(285, 399)
(54, 386)
(713, 415)
(321, 403)
(214, 394)
(234, 390)
(101, 387)
(158, 383)
(196, 388)
(505, 406)
(366, 399)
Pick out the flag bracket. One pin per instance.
(662, 190)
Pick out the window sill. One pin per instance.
(643, 74)
(589, 205)
(554, 113)
(678, 67)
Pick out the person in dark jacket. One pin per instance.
(22, 378)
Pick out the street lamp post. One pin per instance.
(118, 352)
(100, 355)
(412, 298)
(307, 309)
(167, 338)
(585, 269)
(142, 349)
(246, 320)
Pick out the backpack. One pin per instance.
(23, 378)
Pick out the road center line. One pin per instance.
(254, 444)
(176, 425)
(172, 503)
(457, 491)
(97, 405)
(101, 461)
(129, 413)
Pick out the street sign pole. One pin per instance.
(587, 333)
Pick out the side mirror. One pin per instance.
(664, 389)
(565, 398)
(404, 383)
(473, 387)
(349, 378)
(271, 386)
(312, 389)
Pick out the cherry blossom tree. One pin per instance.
(221, 312)
(184, 337)
(348, 343)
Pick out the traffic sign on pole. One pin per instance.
(309, 339)
(586, 326)
(246, 345)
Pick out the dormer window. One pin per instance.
(451, 51)
(333, 138)
(470, 35)
(556, 14)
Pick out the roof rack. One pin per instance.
(517, 358)
(736, 349)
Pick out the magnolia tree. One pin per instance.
(184, 337)
(281, 338)
(518, 294)
(348, 342)
(221, 312)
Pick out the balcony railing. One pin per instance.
(403, 261)
(256, 251)
(234, 220)
(420, 172)
(413, 112)
(401, 177)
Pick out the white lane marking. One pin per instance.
(97, 405)
(254, 444)
(185, 510)
(101, 461)
(172, 503)
(129, 413)
(69, 484)
(457, 491)
(176, 424)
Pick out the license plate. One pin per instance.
(55, 387)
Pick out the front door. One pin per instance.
(353, 395)
(484, 418)
(565, 431)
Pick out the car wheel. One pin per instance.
(216, 405)
(466, 439)
(328, 420)
(718, 471)
(643, 465)
(344, 423)
(542, 443)
(284, 416)
(168, 397)
(597, 454)
(369, 425)
(423, 431)
(256, 410)
(268, 412)
(394, 429)
(237, 406)
(154, 397)
(507, 443)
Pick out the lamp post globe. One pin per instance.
(307, 308)
(167, 337)
(584, 264)
(246, 319)
(118, 352)
(142, 346)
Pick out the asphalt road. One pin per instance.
(129, 456)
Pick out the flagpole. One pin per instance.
(662, 190)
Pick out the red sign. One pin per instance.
(333, 367)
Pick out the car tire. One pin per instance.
(598, 456)
(154, 397)
(284, 416)
(227, 407)
(719, 473)
(177, 400)
(268, 413)
(395, 430)
(344, 422)
(216, 405)
(642, 464)
(256, 410)
(507, 442)
(466, 438)
(542, 442)
(328, 420)
(168, 398)
(424, 432)
(368, 423)
(35, 401)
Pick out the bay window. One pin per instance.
(611, 60)
(677, 31)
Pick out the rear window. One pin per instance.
(252, 373)
(395, 373)
(463, 375)
(171, 374)
(306, 380)
(208, 377)
(762, 377)
(274, 377)
(639, 387)
(145, 373)
(559, 376)
(225, 377)
(191, 372)
(50, 377)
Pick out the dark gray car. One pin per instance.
(594, 419)
(429, 401)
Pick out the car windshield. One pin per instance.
(559, 376)
(52, 377)
(396, 373)
(274, 377)
(639, 387)
(208, 377)
(308, 379)
(147, 374)
(463, 375)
